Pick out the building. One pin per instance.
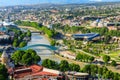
(72, 75)
(5, 59)
(4, 34)
(3, 30)
(113, 26)
(5, 37)
(34, 72)
(50, 26)
(86, 18)
(87, 36)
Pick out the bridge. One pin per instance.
(38, 45)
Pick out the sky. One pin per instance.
(23, 2)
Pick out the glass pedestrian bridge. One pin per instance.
(38, 45)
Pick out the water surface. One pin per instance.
(43, 52)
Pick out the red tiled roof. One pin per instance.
(21, 75)
(44, 73)
(36, 68)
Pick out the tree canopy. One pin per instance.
(28, 57)
(3, 72)
(106, 58)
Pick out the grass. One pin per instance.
(114, 53)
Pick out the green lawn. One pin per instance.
(114, 55)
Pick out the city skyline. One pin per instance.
(26, 2)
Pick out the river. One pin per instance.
(43, 52)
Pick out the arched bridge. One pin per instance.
(37, 45)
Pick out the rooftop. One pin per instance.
(3, 29)
(89, 36)
(34, 70)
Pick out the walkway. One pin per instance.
(38, 45)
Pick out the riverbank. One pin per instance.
(29, 28)
(34, 30)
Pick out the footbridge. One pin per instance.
(52, 48)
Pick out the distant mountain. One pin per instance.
(48, 5)
(24, 2)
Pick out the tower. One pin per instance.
(4, 58)
(8, 18)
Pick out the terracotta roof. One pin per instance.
(36, 68)
(22, 75)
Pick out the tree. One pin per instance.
(113, 63)
(50, 64)
(106, 58)
(34, 56)
(100, 70)
(116, 76)
(94, 69)
(107, 75)
(86, 69)
(22, 44)
(53, 42)
(64, 66)
(15, 44)
(91, 59)
(84, 57)
(28, 57)
(28, 33)
(104, 70)
(74, 67)
(17, 56)
(3, 72)
(2, 77)
(107, 39)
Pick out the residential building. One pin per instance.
(72, 75)
(34, 72)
